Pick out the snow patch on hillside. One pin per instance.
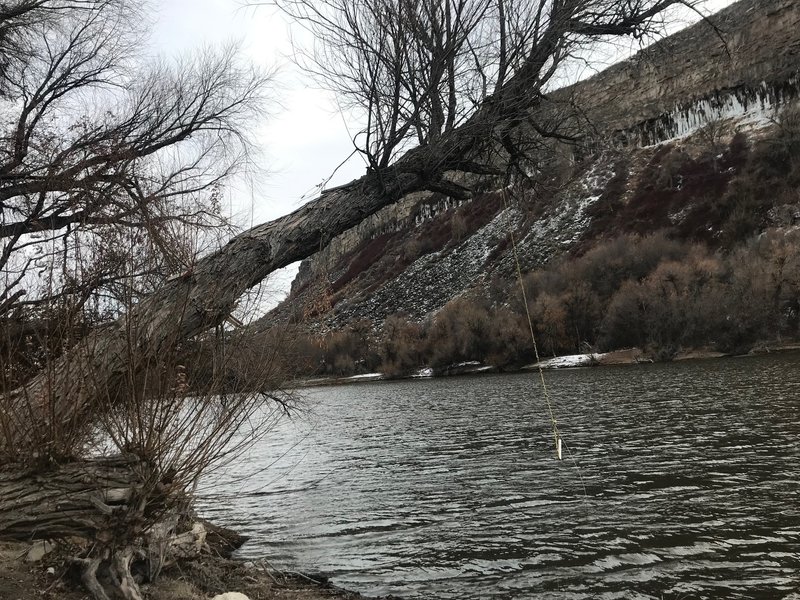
(434, 279)
(567, 221)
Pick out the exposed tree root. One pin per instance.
(127, 516)
(120, 570)
(115, 574)
(89, 567)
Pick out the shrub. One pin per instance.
(609, 264)
(665, 311)
(771, 177)
(400, 346)
(583, 311)
(549, 321)
(458, 226)
(509, 340)
(458, 333)
(785, 146)
(550, 280)
(623, 324)
(761, 292)
(669, 173)
(349, 351)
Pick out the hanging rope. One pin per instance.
(557, 439)
(556, 434)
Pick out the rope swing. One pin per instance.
(556, 433)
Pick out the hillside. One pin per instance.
(690, 139)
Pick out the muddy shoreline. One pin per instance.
(199, 579)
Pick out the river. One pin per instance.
(681, 481)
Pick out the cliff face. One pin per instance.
(744, 60)
(676, 120)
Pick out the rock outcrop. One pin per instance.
(745, 60)
(739, 69)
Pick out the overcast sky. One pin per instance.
(304, 138)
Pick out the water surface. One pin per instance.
(684, 485)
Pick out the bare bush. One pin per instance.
(401, 346)
(128, 474)
(550, 324)
(702, 300)
(509, 342)
(348, 351)
(458, 333)
(713, 138)
(610, 263)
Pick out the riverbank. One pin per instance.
(635, 356)
(628, 356)
(198, 579)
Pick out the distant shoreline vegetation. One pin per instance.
(726, 287)
(663, 296)
(615, 358)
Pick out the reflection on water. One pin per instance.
(687, 485)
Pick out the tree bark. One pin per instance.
(91, 499)
(113, 503)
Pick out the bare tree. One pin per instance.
(110, 165)
(412, 70)
(89, 383)
(111, 170)
(98, 151)
(404, 67)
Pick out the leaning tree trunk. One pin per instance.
(204, 295)
(91, 375)
(77, 499)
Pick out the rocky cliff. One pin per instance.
(743, 61)
(673, 127)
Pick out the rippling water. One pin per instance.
(686, 485)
